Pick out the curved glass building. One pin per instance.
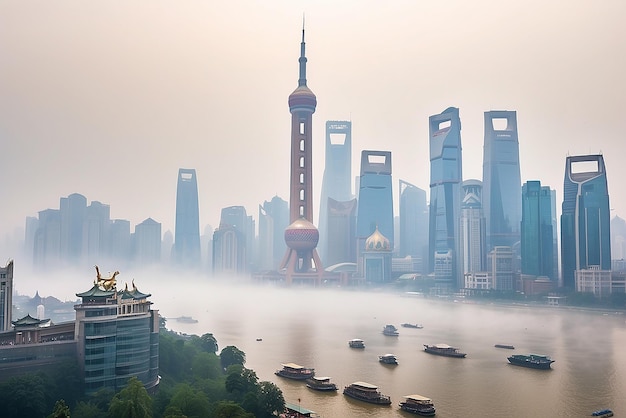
(445, 196)
(585, 217)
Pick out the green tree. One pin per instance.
(61, 410)
(131, 402)
(207, 342)
(24, 396)
(189, 401)
(270, 400)
(232, 355)
(241, 380)
(87, 410)
(173, 412)
(206, 366)
(227, 409)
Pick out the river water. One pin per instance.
(311, 327)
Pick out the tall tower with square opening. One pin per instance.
(446, 175)
(585, 217)
(336, 184)
(502, 185)
(186, 249)
(301, 260)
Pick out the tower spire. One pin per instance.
(302, 59)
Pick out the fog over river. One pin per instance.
(311, 327)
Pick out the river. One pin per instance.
(311, 327)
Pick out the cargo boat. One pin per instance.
(533, 361)
(444, 350)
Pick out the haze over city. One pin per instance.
(109, 100)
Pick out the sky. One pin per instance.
(109, 99)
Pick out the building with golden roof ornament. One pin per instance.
(377, 258)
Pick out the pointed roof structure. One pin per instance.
(29, 322)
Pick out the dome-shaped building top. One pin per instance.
(302, 98)
(301, 235)
(377, 242)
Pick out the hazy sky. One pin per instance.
(109, 99)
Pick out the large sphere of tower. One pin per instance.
(302, 235)
(302, 99)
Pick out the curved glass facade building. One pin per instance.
(375, 200)
(585, 217)
(187, 234)
(445, 196)
(502, 185)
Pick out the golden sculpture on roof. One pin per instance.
(106, 283)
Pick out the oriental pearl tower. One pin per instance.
(301, 261)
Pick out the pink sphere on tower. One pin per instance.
(302, 235)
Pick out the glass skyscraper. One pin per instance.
(585, 217)
(337, 176)
(375, 200)
(537, 240)
(273, 220)
(502, 185)
(445, 195)
(413, 228)
(187, 234)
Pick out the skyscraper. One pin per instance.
(230, 241)
(187, 234)
(375, 199)
(502, 185)
(341, 232)
(585, 217)
(413, 228)
(445, 197)
(472, 228)
(72, 210)
(6, 296)
(273, 220)
(301, 236)
(337, 175)
(147, 242)
(536, 230)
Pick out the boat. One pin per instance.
(366, 392)
(295, 371)
(388, 359)
(507, 346)
(186, 319)
(443, 350)
(407, 325)
(321, 383)
(534, 361)
(390, 331)
(418, 405)
(602, 413)
(356, 343)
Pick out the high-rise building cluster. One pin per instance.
(495, 233)
(81, 233)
